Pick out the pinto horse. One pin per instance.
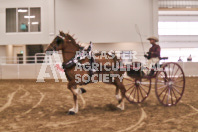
(69, 47)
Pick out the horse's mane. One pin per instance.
(73, 41)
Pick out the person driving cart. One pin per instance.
(153, 56)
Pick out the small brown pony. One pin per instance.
(69, 47)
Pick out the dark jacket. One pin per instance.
(155, 51)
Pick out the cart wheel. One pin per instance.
(170, 84)
(137, 89)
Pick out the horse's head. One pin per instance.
(64, 42)
(57, 44)
(70, 41)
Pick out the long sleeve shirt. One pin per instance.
(155, 51)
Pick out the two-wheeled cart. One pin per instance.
(169, 82)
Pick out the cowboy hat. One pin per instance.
(154, 38)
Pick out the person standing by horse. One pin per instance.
(153, 55)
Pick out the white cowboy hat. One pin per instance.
(154, 38)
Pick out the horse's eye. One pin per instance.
(59, 41)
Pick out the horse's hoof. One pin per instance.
(120, 107)
(71, 113)
(83, 90)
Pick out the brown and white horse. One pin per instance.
(69, 47)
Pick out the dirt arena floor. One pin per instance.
(29, 106)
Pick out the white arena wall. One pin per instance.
(99, 21)
(107, 21)
(90, 20)
(2, 50)
(109, 24)
(24, 71)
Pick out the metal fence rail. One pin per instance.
(11, 68)
(22, 60)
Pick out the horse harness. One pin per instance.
(82, 54)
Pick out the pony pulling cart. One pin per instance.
(169, 81)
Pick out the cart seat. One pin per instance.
(163, 58)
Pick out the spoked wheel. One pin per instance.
(137, 89)
(170, 84)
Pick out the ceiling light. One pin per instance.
(35, 23)
(22, 10)
(29, 16)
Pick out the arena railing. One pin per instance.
(38, 58)
(28, 67)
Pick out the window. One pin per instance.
(35, 21)
(178, 28)
(23, 19)
(11, 20)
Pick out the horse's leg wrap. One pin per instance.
(117, 95)
(80, 91)
(75, 107)
(73, 89)
(83, 101)
(120, 87)
(121, 105)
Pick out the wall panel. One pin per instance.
(105, 20)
